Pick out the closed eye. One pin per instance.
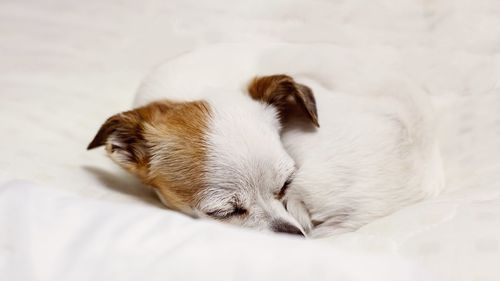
(284, 188)
(225, 214)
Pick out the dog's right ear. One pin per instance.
(123, 136)
(288, 96)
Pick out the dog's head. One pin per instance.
(221, 159)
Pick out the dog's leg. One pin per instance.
(297, 209)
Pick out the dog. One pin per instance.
(260, 159)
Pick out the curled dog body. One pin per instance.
(260, 159)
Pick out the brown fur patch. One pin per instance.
(290, 98)
(163, 143)
(178, 144)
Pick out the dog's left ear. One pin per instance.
(289, 97)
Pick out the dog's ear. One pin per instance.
(123, 136)
(289, 97)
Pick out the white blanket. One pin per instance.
(66, 66)
(50, 235)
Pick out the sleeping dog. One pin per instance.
(259, 158)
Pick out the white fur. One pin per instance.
(372, 155)
(246, 160)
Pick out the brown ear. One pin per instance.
(287, 95)
(123, 135)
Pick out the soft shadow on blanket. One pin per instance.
(125, 184)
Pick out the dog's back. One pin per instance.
(373, 154)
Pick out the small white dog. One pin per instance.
(259, 159)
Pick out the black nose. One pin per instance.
(285, 227)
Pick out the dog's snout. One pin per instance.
(285, 227)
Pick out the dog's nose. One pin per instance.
(285, 227)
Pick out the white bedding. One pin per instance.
(66, 66)
(61, 236)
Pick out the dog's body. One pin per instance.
(257, 159)
(372, 155)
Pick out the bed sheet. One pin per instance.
(54, 235)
